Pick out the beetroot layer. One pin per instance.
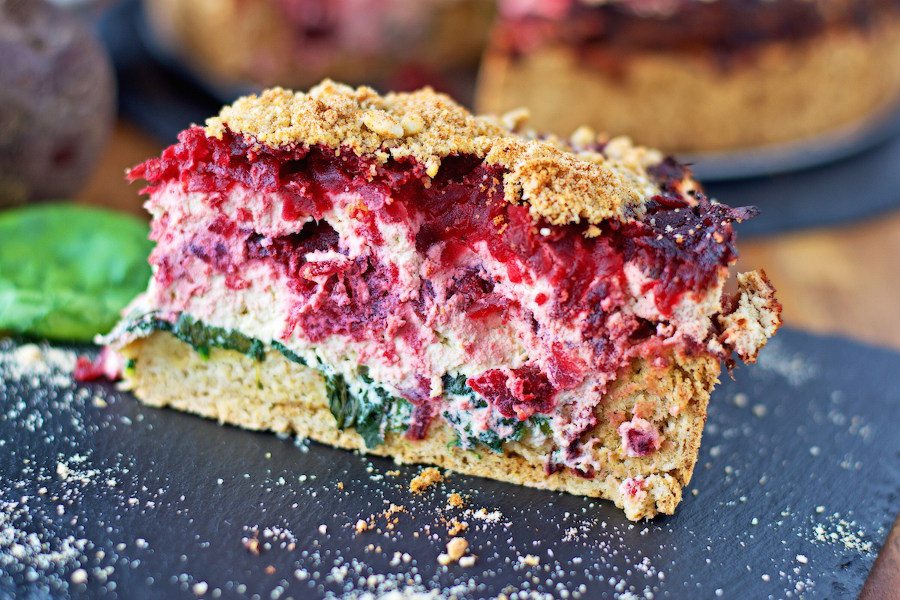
(682, 240)
(681, 244)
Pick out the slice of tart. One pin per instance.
(397, 276)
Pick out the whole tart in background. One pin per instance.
(294, 43)
(691, 75)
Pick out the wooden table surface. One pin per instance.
(843, 280)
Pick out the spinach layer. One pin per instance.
(468, 437)
(361, 404)
(365, 406)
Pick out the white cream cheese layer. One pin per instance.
(450, 342)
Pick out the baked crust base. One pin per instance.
(690, 102)
(279, 395)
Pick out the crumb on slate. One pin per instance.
(425, 479)
(456, 552)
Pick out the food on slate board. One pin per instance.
(395, 275)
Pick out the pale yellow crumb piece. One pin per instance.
(467, 561)
(455, 500)
(530, 559)
(456, 548)
(253, 546)
(361, 526)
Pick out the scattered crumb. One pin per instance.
(252, 545)
(530, 559)
(456, 549)
(361, 526)
(425, 479)
(801, 558)
(389, 515)
(79, 576)
(455, 527)
(455, 500)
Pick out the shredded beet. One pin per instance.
(518, 393)
(681, 244)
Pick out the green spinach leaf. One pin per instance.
(66, 271)
(201, 337)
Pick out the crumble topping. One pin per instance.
(560, 184)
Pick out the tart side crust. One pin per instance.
(560, 184)
(279, 395)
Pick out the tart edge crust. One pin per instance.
(228, 387)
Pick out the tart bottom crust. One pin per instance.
(282, 396)
(682, 102)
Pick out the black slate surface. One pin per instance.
(163, 97)
(795, 490)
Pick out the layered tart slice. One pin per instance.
(395, 275)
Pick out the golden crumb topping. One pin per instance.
(562, 182)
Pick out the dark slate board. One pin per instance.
(168, 497)
(163, 97)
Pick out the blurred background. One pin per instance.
(790, 105)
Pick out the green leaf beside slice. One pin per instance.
(67, 270)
